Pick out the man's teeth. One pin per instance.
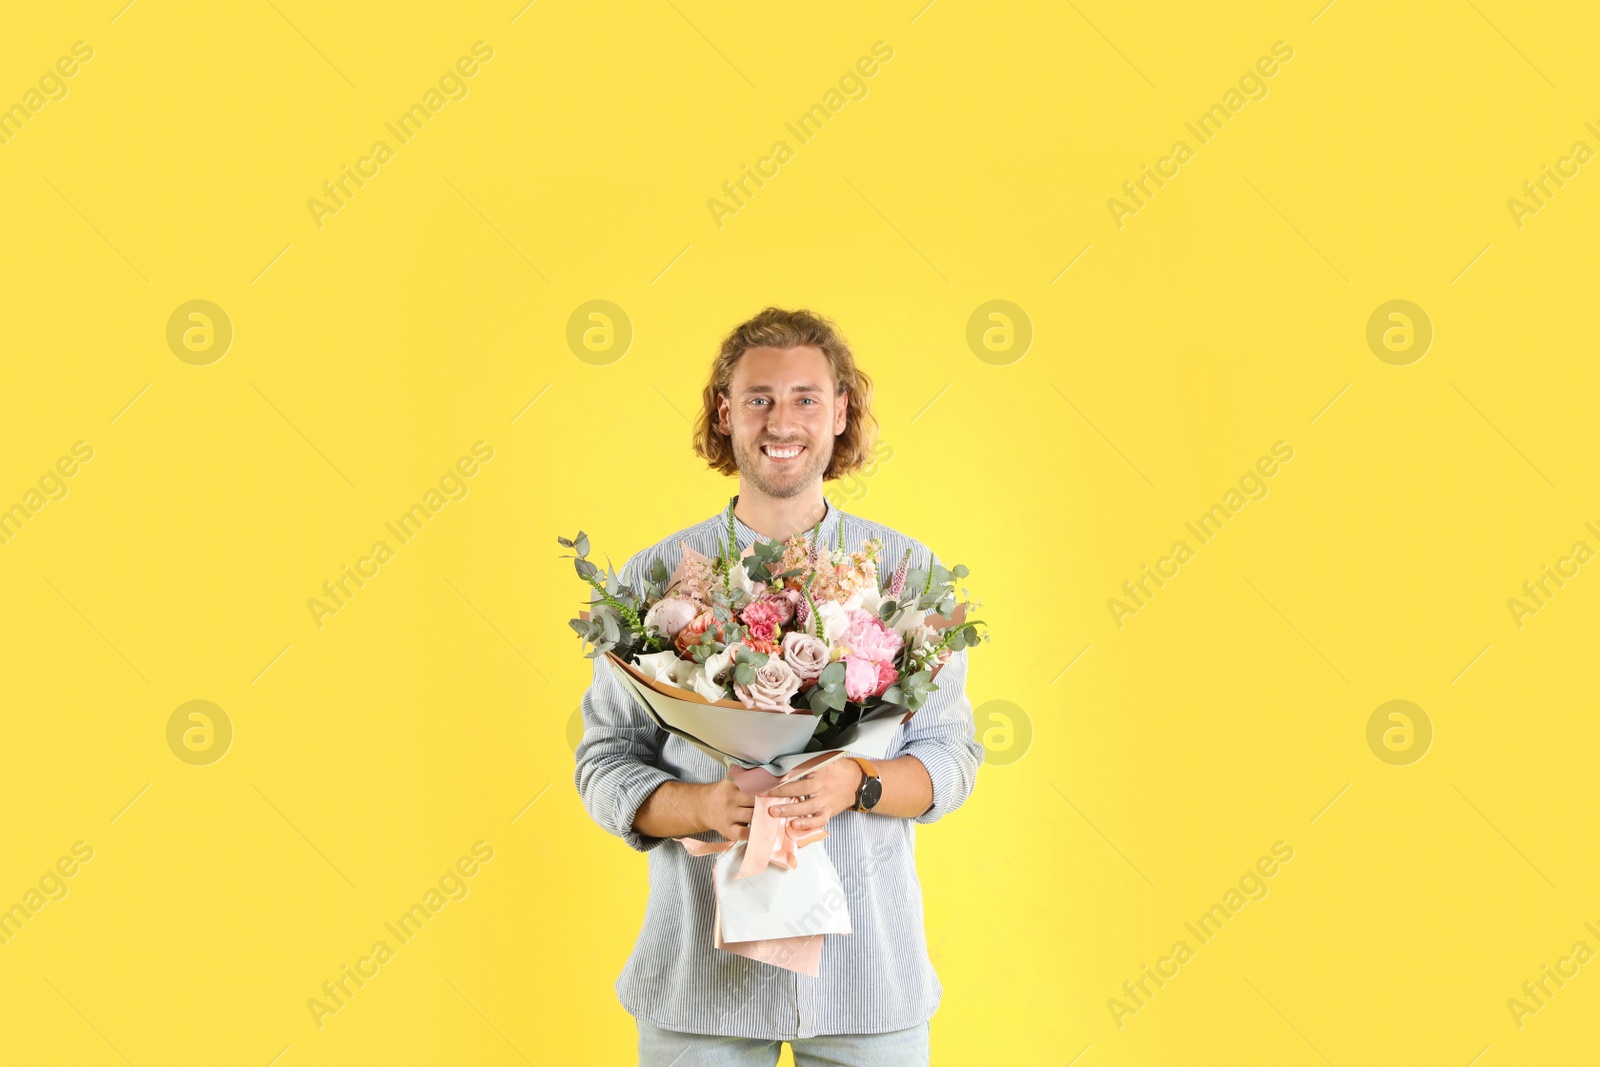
(787, 452)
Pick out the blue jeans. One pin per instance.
(669, 1048)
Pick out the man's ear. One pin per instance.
(842, 415)
(722, 415)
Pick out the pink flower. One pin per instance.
(860, 678)
(671, 614)
(787, 601)
(774, 684)
(804, 654)
(887, 676)
(869, 639)
(691, 633)
(765, 619)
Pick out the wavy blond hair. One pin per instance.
(774, 327)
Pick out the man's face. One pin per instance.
(782, 415)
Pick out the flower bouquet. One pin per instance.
(774, 662)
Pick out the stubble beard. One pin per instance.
(749, 462)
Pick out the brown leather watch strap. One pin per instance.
(870, 770)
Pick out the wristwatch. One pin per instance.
(871, 788)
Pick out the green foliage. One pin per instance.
(745, 663)
(614, 622)
(828, 693)
(763, 556)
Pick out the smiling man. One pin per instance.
(786, 408)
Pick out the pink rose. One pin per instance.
(805, 655)
(786, 601)
(774, 684)
(868, 638)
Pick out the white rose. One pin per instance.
(671, 614)
(869, 599)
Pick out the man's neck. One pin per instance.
(780, 518)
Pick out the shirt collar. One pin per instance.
(827, 532)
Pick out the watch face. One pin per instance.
(871, 790)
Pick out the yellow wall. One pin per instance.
(1172, 346)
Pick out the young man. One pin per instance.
(786, 408)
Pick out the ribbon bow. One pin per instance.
(774, 842)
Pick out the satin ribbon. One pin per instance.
(772, 841)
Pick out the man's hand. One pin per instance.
(827, 791)
(727, 810)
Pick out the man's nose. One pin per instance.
(782, 419)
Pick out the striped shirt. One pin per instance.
(877, 978)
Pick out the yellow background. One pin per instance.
(431, 311)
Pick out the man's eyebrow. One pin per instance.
(768, 389)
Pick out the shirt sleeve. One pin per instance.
(942, 737)
(617, 759)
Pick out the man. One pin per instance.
(787, 408)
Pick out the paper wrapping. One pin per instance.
(770, 887)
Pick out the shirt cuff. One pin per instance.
(952, 780)
(630, 797)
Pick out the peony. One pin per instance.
(868, 638)
(671, 614)
(774, 684)
(860, 678)
(805, 655)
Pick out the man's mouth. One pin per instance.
(782, 453)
